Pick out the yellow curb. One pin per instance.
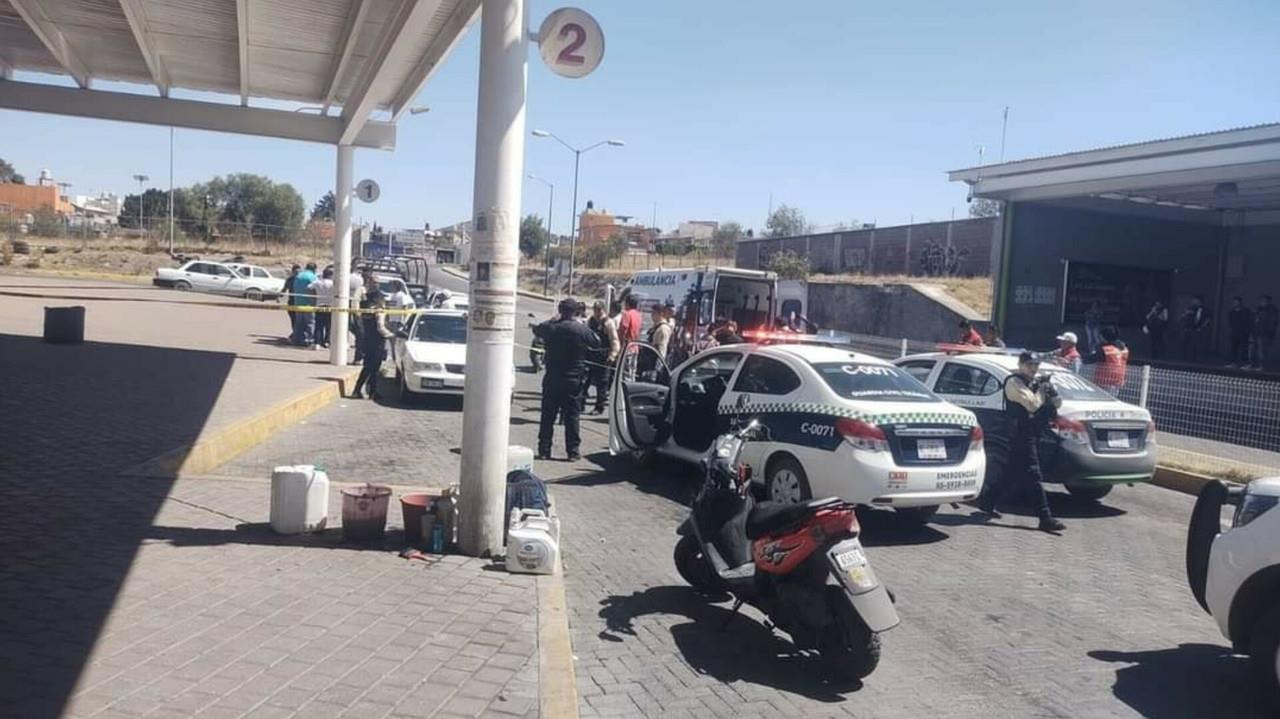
(557, 683)
(1180, 480)
(227, 443)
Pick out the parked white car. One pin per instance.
(258, 274)
(1235, 575)
(838, 423)
(220, 279)
(433, 359)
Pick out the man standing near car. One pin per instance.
(305, 299)
(323, 289)
(1030, 403)
(567, 343)
(630, 321)
(606, 330)
(1240, 323)
(1265, 320)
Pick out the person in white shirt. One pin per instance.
(323, 288)
(400, 300)
(357, 288)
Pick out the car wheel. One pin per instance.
(916, 516)
(182, 285)
(1264, 653)
(1092, 492)
(253, 294)
(787, 482)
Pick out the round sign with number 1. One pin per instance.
(571, 42)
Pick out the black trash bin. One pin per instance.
(64, 325)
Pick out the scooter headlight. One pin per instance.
(1253, 506)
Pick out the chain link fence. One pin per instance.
(1216, 424)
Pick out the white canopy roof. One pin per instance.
(1194, 178)
(364, 56)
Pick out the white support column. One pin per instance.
(486, 415)
(342, 188)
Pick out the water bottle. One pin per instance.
(437, 539)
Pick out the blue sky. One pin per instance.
(846, 109)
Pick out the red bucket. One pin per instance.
(413, 506)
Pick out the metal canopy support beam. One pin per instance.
(450, 34)
(146, 46)
(191, 114)
(342, 190)
(355, 22)
(6, 70)
(242, 25)
(486, 409)
(54, 41)
(1233, 165)
(405, 27)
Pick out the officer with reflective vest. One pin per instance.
(1031, 402)
(1112, 360)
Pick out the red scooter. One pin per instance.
(800, 564)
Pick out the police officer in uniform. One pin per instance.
(568, 343)
(1030, 403)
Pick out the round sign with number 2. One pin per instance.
(571, 42)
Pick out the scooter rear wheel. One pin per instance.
(693, 567)
(853, 652)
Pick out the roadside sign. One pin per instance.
(368, 191)
(571, 42)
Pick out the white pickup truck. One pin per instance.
(1235, 575)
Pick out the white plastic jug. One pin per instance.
(519, 457)
(533, 542)
(299, 499)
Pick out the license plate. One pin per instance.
(1118, 440)
(851, 558)
(931, 448)
(432, 384)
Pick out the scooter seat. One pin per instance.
(768, 517)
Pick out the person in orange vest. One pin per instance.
(1112, 358)
(1067, 355)
(969, 335)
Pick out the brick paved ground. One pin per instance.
(124, 597)
(997, 620)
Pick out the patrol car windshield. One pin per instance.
(448, 329)
(873, 382)
(1074, 388)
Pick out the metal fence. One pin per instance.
(1217, 424)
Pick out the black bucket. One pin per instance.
(64, 325)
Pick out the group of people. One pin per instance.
(580, 352)
(310, 299)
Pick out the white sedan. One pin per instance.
(218, 278)
(838, 423)
(432, 360)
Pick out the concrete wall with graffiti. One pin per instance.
(959, 248)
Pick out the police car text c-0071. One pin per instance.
(838, 423)
(1094, 443)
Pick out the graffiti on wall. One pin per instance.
(938, 260)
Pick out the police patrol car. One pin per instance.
(1096, 441)
(838, 423)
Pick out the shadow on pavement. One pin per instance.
(71, 418)
(745, 651)
(1191, 680)
(663, 477)
(882, 528)
(261, 533)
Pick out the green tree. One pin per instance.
(983, 207)
(10, 175)
(533, 236)
(786, 221)
(789, 265)
(254, 204)
(724, 240)
(617, 245)
(324, 208)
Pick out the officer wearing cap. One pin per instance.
(568, 343)
(1030, 403)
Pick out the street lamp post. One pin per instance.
(141, 179)
(546, 276)
(577, 157)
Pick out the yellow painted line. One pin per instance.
(225, 444)
(557, 683)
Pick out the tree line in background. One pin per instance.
(238, 204)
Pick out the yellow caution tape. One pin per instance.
(200, 303)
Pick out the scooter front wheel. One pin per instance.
(693, 566)
(853, 652)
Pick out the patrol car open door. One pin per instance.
(638, 400)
